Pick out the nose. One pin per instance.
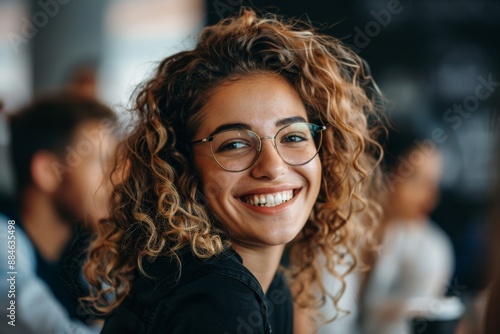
(269, 165)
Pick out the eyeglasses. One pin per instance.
(237, 150)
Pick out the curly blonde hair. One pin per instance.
(158, 206)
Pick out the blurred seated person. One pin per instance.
(492, 321)
(416, 257)
(59, 146)
(491, 318)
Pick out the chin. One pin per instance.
(279, 237)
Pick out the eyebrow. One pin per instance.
(230, 126)
(245, 126)
(290, 120)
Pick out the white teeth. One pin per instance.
(269, 200)
(262, 199)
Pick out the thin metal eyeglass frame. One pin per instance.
(320, 129)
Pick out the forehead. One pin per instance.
(92, 137)
(259, 100)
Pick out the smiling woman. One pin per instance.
(256, 139)
(263, 170)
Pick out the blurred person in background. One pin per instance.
(492, 319)
(416, 258)
(59, 145)
(492, 312)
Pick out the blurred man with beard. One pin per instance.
(60, 146)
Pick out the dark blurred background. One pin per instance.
(436, 61)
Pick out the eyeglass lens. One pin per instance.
(237, 150)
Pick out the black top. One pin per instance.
(217, 296)
(65, 277)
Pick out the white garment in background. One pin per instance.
(416, 261)
(346, 323)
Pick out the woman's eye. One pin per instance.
(233, 146)
(293, 138)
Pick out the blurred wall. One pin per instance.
(73, 34)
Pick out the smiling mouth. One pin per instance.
(269, 200)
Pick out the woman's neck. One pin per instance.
(262, 261)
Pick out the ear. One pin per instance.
(43, 171)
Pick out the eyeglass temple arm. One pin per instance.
(204, 140)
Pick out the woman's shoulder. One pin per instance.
(213, 304)
(208, 295)
(165, 275)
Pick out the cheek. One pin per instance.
(401, 194)
(85, 180)
(215, 182)
(314, 175)
(89, 175)
(217, 185)
(410, 197)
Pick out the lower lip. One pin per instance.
(272, 210)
